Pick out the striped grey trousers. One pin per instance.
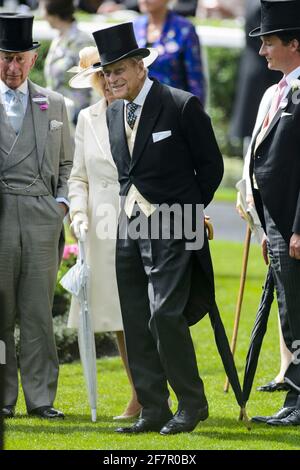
(286, 272)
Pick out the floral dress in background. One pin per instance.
(179, 63)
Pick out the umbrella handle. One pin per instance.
(81, 251)
(82, 232)
(240, 297)
(244, 417)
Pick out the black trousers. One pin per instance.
(286, 272)
(154, 283)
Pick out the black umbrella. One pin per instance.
(258, 333)
(227, 359)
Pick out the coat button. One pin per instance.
(104, 184)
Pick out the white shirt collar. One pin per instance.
(23, 88)
(141, 97)
(292, 76)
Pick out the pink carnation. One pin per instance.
(74, 249)
(70, 250)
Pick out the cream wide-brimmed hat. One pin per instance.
(88, 56)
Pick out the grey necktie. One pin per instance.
(131, 116)
(15, 111)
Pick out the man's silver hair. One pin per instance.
(32, 52)
(138, 58)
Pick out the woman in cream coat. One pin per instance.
(93, 195)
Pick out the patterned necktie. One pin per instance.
(131, 116)
(275, 102)
(15, 111)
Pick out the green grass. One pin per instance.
(225, 195)
(220, 431)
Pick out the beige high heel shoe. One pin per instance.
(129, 416)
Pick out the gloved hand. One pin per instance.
(80, 225)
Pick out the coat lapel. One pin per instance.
(40, 121)
(7, 134)
(272, 123)
(117, 132)
(99, 128)
(149, 116)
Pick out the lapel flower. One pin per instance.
(42, 101)
(295, 85)
(295, 91)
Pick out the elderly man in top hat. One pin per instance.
(273, 169)
(166, 155)
(35, 160)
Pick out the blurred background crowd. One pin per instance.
(208, 8)
(229, 84)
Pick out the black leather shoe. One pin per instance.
(293, 419)
(46, 412)
(273, 387)
(143, 425)
(185, 421)
(7, 411)
(282, 413)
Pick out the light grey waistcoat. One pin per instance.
(19, 173)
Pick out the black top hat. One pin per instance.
(278, 16)
(16, 33)
(117, 43)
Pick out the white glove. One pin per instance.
(80, 225)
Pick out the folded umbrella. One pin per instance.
(227, 359)
(76, 282)
(253, 226)
(258, 333)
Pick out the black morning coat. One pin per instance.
(184, 168)
(277, 169)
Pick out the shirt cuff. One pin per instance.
(64, 201)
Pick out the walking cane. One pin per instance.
(240, 297)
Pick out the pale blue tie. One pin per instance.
(15, 111)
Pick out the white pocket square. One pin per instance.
(54, 125)
(286, 114)
(157, 136)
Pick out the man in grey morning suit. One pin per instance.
(35, 160)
